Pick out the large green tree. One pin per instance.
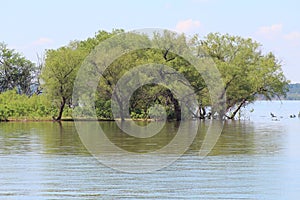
(127, 62)
(15, 71)
(246, 71)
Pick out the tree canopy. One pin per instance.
(15, 71)
(58, 75)
(247, 72)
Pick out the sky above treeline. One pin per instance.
(32, 26)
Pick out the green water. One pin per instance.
(257, 158)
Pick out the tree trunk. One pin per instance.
(202, 112)
(176, 105)
(61, 109)
(177, 109)
(122, 114)
(238, 108)
(121, 110)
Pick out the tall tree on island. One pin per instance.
(58, 75)
(247, 72)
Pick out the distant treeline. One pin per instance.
(294, 92)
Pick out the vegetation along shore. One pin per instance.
(43, 90)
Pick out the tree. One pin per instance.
(61, 67)
(15, 71)
(110, 75)
(127, 62)
(246, 71)
(162, 52)
(59, 73)
(247, 74)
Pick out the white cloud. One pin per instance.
(187, 25)
(292, 36)
(42, 41)
(270, 31)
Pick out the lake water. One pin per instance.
(254, 158)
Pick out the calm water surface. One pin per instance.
(255, 158)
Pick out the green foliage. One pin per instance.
(15, 71)
(246, 71)
(59, 73)
(103, 109)
(247, 74)
(139, 114)
(61, 67)
(16, 106)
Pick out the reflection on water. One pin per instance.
(253, 159)
(41, 137)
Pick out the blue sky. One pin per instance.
(31, 26)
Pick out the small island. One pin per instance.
(44, 90)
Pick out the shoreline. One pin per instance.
(52, 120)
(72, 120)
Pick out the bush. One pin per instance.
(16, 106)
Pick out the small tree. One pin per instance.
(61, 67)
(59, 73)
